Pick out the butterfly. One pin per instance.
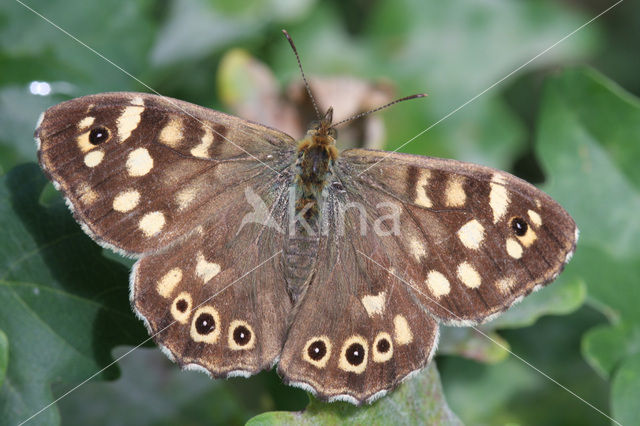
(256, 250)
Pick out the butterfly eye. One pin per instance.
(355, 354)
(315, 125)
(383, 346)
(519, 226)
(205, 323)
(382, 349)
(333, 133)
(182, 305)
(241, 335)
(317, 350)
(98, 135)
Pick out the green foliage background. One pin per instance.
(569, 121)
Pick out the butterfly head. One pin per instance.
(321, 135)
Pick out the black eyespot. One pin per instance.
(355, 354)
(317, 350)
(97, 135)
(182, 305)
(383, 346)
(241, 335)
(205, 323)
(519, 226)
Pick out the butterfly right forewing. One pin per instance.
(474, 239)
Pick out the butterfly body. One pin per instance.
(254, 249)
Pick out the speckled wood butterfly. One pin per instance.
(255, 250)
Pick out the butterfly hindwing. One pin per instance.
(359, 330)
(215, 299)
(474, 240)
(141, 170)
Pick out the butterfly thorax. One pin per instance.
(316, 155)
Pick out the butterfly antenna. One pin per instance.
(362, 114)
(306, 84)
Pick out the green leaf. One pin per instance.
(417, 401)
(560, 298)
(4, 356)
(625, 390)
(64, 306)
(489, 347)
(588, 145)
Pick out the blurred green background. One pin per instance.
(569, 122)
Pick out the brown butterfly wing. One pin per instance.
(165, 181)
(141, 170)
(215, 300)
(472, 240)
(359, 331)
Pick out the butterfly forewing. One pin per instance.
(142, 170)
(472, 239)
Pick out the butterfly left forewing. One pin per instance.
(141, 170)
(474, 239)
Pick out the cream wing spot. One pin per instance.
(169, 281)
(205, 326)
(205, 269)
(382, 348)
(438, 283)
(186, 196)
(241, 336)
(529, 238)
(86, 122)
(505, 284)
(454, 192)
(181, 307)
(514, 249)
(171, 133)
(471, 234)
(93, 158)
(202, 149)
(83, 142)
(139, 162)
(417, 249)
(534, 217)
(401, 331)
(151, 223)
(129, 119)
(374, 305)
(87, 194)
(354, 355)
(498, 197)
(422, 199)
(317, 351)
(126, 201)
(469, 275)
